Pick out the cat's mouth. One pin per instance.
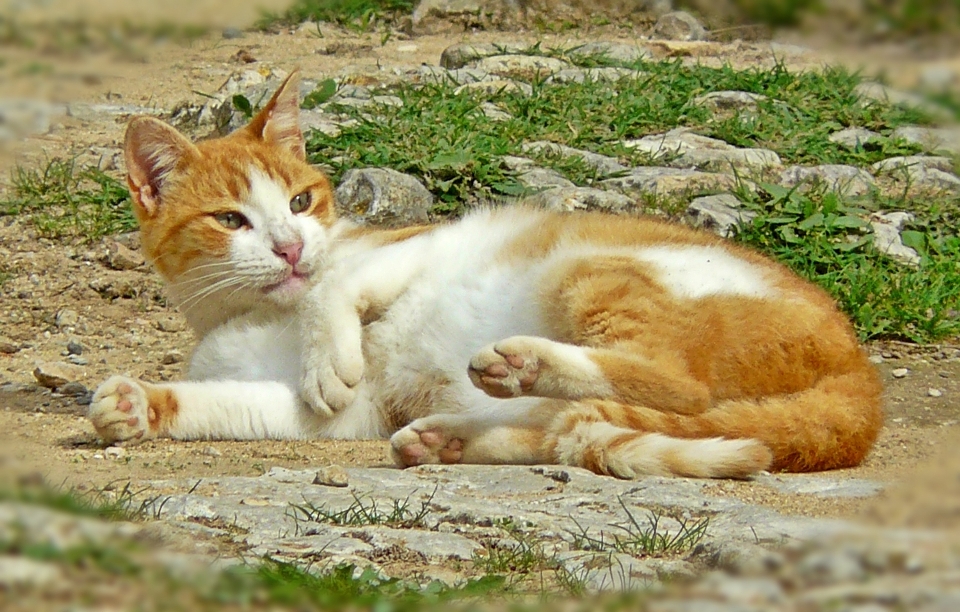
(294, 281)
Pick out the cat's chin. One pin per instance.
(288, 289)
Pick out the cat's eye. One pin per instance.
(231, 220)
(301, 202)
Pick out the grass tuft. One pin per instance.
(362, 15)
(642, 540)
(399, 513)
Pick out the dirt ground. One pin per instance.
(62, 292)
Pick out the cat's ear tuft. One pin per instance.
(152, 150)
(279, 121)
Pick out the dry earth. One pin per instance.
(124, 326)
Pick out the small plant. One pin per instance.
(108, 503)
(367, 511)
(63, 200)
(362, 15)
(638, 539)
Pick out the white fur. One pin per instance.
(697, 271)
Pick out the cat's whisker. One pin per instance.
(191, 301)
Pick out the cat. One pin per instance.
(627, 346)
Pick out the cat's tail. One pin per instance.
(830, 425)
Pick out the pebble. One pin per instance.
(67, 318)
(211, 451)
(74, 348)
(119, 257)
(114, 452)
(74, 388)
(232, 33)
(56, 374)
(900, 372)
(8, 347)
(332, 476)
(170, 323)
(932, 392)
(679, 25)
(171, 357)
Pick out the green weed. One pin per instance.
(123, 504)
(399, 513)
(361, 15)
(638, 539)
(63, 200)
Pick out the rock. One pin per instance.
(494, 87)
(74, 348)
(720, 213)
(932, 392)
(931, 139)
(566, 199)
(937, 78)
(738, 558)
(383, 196)
(830, 567)
(114, 452)
(57, 374)
(170, 323)
(232, 33)
(23, 573)
(900, 372)
(120, 257)
(679, 25)
(8, 347)
(521, 67)
(610, 572)
(21, 117)
(886, 236)
(618, 52)
(720, 101)
(881, 93)
(821, 486)
(603, 164)
(458, 56)
(682, 148)
(460, 76)
(492, 112)
(855, 137)
(911, 162)
(74, 388)
(77, 360)
(539, 179)
(607, 74)
(67, 318)
(211, 451)
(652, 180)
(332, 476)
(845, 180)
(171, 357)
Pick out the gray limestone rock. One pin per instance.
(608, 74)
(522, 67)
(383, 196)
(886, 236)
(459, 55)
(932, 140)
(720, 101)
(682, 148)
(623, 53)
(821, 486)
(539, 179)
(566, 199)
(845, 180)
(53, 374)
(652, 180)
(881, 93)
(494, 113)
(458, 76)
(855, 137)
(495, 87)
(679, 25)
(603, 164)
(720, 213)
(893, 165)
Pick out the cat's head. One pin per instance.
(239, 219)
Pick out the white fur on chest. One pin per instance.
(690, 271)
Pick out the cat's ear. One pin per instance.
(152, 150)
(279, 121)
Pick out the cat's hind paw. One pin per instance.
(508, 368)
(411, 446)
(120, 411)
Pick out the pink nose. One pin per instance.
(289, 252)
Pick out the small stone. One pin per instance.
(718, 101)
(900, 372)
(624, 53)
(232, 33)
(568, 199)
(679, 25)
(74, 348)
(855, 137)
(211, 451)
(494, 87)
(522, 67)
(721, 213)
(20, 573)
(77, 360)
(171, 357)
(114, 452)
(876, 359)
(458, 56)
(119, 257)
(170, 323)
(8, 347)
(845, 180)
(332, 476)
(383, 196)
(67, 318)
(56, 374)
(934, 392)
(73, 388)
(886, 236)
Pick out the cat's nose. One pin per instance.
(289, 252)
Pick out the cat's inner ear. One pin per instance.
(152, 150)
(279, 121)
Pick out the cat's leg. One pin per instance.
(129, 410)
(539, 367)
(452, 438)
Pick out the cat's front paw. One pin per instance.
(508, 368)
(328, 384)
(120, 411)
(415, 446)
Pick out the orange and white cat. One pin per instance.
(515, 335)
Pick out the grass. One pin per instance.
(399, 513)
(635, 538)
(64, 200)
(114, 505)
(362, 15)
